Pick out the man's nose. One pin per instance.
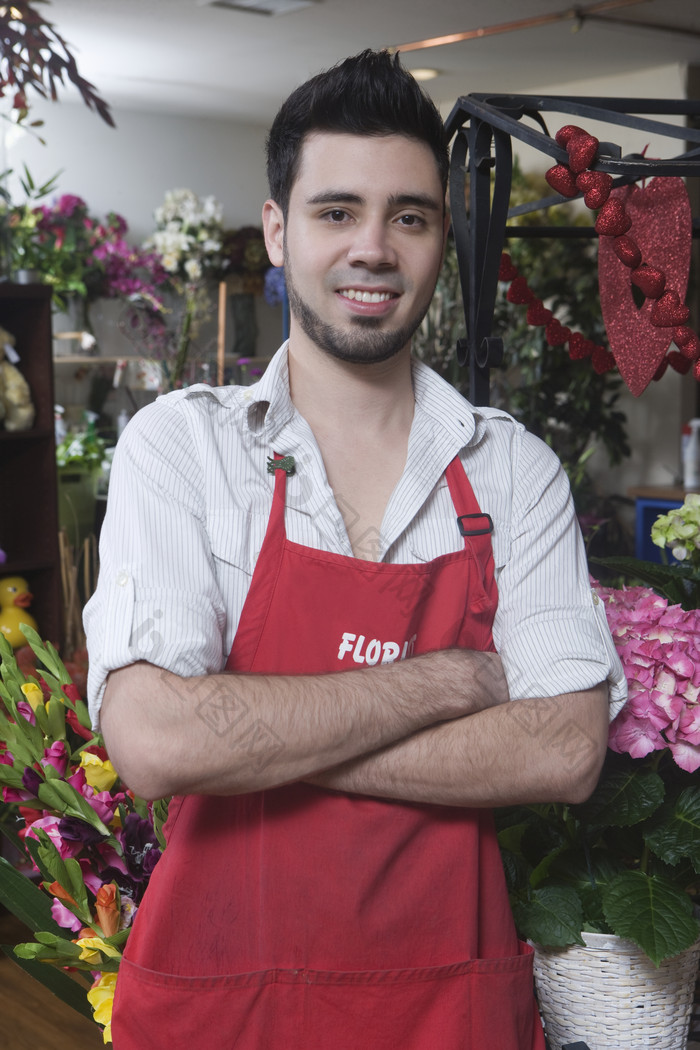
(372, 245)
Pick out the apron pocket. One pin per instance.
(463, 1006)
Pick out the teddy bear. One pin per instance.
(16, 408)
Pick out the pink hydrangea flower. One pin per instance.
(659, 646)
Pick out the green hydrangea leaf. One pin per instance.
(652, 912)
(553, 916)
(678, 834)
(623, 798)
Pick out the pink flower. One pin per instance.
(659, 646)
(636, 736)
(56, 756)
(65, 918)
(25, 709)
(50, 826)
(686, 755)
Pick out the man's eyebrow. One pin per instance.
(335, 197)
(415, 200)
(399, 200)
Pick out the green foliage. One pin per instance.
(625, 862)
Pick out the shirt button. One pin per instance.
(122, 578)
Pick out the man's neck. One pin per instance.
(337, 396)
(361, 417)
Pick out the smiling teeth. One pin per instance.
(366, 297)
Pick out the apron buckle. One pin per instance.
(484, 531)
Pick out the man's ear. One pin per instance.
(273, 227)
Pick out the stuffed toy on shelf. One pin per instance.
(16, 408)
(15, 599)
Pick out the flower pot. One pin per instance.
(77, 491)
(610, 995)
(27, 277)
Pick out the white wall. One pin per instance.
(128, 169)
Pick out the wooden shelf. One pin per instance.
(28, 476)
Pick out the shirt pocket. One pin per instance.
(236, 537)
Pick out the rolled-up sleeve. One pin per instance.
(157, 597)
(550, 629)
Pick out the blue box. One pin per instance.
(647, 511)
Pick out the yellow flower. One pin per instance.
(90, 948)
(33, 694)
(101, 999)
(99, 774)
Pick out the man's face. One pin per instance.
(362, 243)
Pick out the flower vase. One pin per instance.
(610, 996)
(77, 500)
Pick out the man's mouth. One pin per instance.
(366, 297)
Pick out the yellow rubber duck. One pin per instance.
(15, 598)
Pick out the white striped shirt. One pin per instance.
(190, 498)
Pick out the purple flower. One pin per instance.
(275, 288)
(50, 825)
(68, 204)
(141, 850)
(31, 781)
(72, 829)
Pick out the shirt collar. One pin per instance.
(268, 404)
(448, 409)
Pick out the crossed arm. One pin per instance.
(435, 728)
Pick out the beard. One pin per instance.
(366, 343)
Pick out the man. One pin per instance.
(348, 538)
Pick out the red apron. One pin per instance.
(304, 919)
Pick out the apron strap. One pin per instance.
(474, 524)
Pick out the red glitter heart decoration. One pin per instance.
(602, 360)
(662, 228)
(556, 333)
(649, 280)
(681, 336)
(658, 374)
(627, 251)
(580, 347)
(678, 363)
(564, 134)
(507, 271)
(696, 370)
(582, 150)
(595, 187)
(519, 293)
(691, 348)
(612, 219)
(537, 314)
(561, 179)
(669, 311)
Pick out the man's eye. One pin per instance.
(410, 220)
(336, 215)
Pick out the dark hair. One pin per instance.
(368, 94)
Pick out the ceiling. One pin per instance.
(186, 56)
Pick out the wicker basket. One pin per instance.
(612, 997)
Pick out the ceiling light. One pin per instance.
(260, 7)
(424, 74)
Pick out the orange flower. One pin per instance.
(107, 908)
(57, 890)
